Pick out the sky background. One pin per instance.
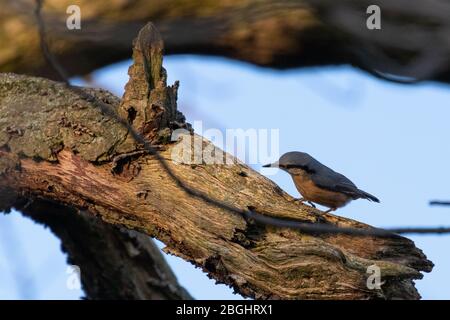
(391, 140)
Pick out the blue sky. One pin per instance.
(391, 140)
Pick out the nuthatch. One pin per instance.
(318, 183)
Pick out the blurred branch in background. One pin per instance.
(439, 203)
(412, 45)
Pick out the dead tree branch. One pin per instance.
(57, 144)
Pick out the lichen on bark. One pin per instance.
(53, 117)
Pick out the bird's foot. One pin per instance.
(318, 216)
(330, 210)
(311, 204)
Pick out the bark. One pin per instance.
(115, 263)
(412, 43)
(59, 143)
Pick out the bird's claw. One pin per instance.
(311, 204)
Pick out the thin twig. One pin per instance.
(332, 229)
(51, 60)
(439, 203)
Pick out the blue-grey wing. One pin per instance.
(333, 181)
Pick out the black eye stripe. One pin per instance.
(296, 166)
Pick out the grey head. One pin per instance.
(292, 161)
(300, 162)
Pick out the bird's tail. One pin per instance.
(367, 196)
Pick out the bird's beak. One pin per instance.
(271, 165)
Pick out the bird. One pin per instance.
(319, 184)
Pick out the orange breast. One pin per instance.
(312, 193)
